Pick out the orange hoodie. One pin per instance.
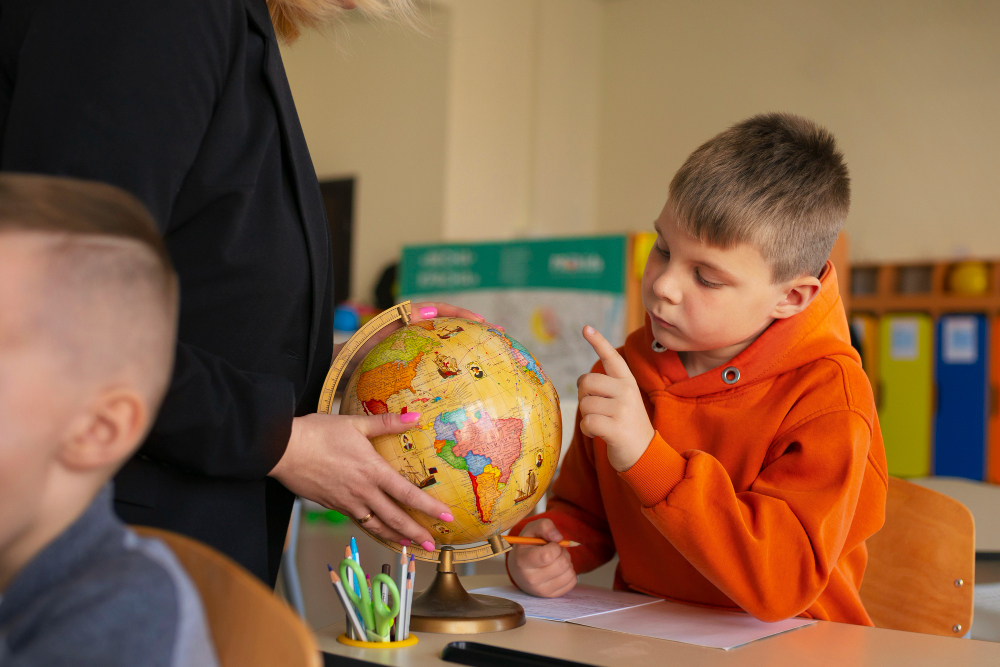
(757, 495)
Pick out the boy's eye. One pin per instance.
(663, 251)
(706, 283)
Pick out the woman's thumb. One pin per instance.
(387, 424)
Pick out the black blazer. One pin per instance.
(186, 104)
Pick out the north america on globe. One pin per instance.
(488, 439)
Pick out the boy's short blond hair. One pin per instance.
(775, 181)
(107, 293)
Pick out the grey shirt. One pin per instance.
(101, 595)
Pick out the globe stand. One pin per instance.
(446, 607)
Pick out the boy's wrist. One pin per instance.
(626, 452)
(656, 473)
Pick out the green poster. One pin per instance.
(543, 292)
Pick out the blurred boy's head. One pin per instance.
(88, 311)
(746, 231)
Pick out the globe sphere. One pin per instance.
(488, 438)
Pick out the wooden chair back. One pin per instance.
(921, 565)
(250, 626)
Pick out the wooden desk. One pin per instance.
(982, 499)
(822, 643)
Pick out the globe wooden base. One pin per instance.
(446, 607)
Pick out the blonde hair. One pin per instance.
(775, 181)
(291, 17)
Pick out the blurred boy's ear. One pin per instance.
(800, 292)
(107, 433)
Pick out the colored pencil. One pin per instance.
(354, 623)
(410, 577)
(350, 583)
(357, 559)
(386, 570)
(517, 539)
(350, 573)
(401, 618)
(409, 598)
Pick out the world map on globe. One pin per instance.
(488, 438)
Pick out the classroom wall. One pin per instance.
(372, 100)
(511, 118)
(482, 125)
(523, 95)
(910, 88)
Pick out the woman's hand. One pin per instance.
(330, 460)
(544, 570)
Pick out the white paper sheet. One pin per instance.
(691, 625)
(646, 616)
(580, 602)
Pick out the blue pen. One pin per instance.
(357, 559)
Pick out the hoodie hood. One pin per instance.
(818, 331)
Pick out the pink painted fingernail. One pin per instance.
(427, 546)
(405, 542)
(446, 516)
(428, 312)
(409, 417)
(479, 316)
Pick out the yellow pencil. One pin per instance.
(517, 539)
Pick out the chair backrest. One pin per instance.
(250, 626)
(921, 565)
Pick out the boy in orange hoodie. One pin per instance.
(730, 452)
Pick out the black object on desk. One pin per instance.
(331, 660)
(484, 655)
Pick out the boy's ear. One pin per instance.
(107, 433)
(800, 292)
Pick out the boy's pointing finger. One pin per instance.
(614, 365)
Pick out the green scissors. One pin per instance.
(374, 614)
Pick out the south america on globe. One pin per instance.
(488, 438)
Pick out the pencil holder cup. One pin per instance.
(403, 643)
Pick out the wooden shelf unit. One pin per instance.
(891, 295)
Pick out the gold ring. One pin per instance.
(366, 518)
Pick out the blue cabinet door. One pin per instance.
(960, 422)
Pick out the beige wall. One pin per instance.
(522, 118)
(567, 120)
(372, 100)
(543, 117)
(485, 126)
(911, 88)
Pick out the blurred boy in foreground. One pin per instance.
(730, 452)
(88, 313)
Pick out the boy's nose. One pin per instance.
(667, 287)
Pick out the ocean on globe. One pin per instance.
(488, 438)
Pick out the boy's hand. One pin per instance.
(611, 406)
(545, 570)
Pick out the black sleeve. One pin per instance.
(122, 91)
(221, 421)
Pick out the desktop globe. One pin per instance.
(486, 444)
(488, 438)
